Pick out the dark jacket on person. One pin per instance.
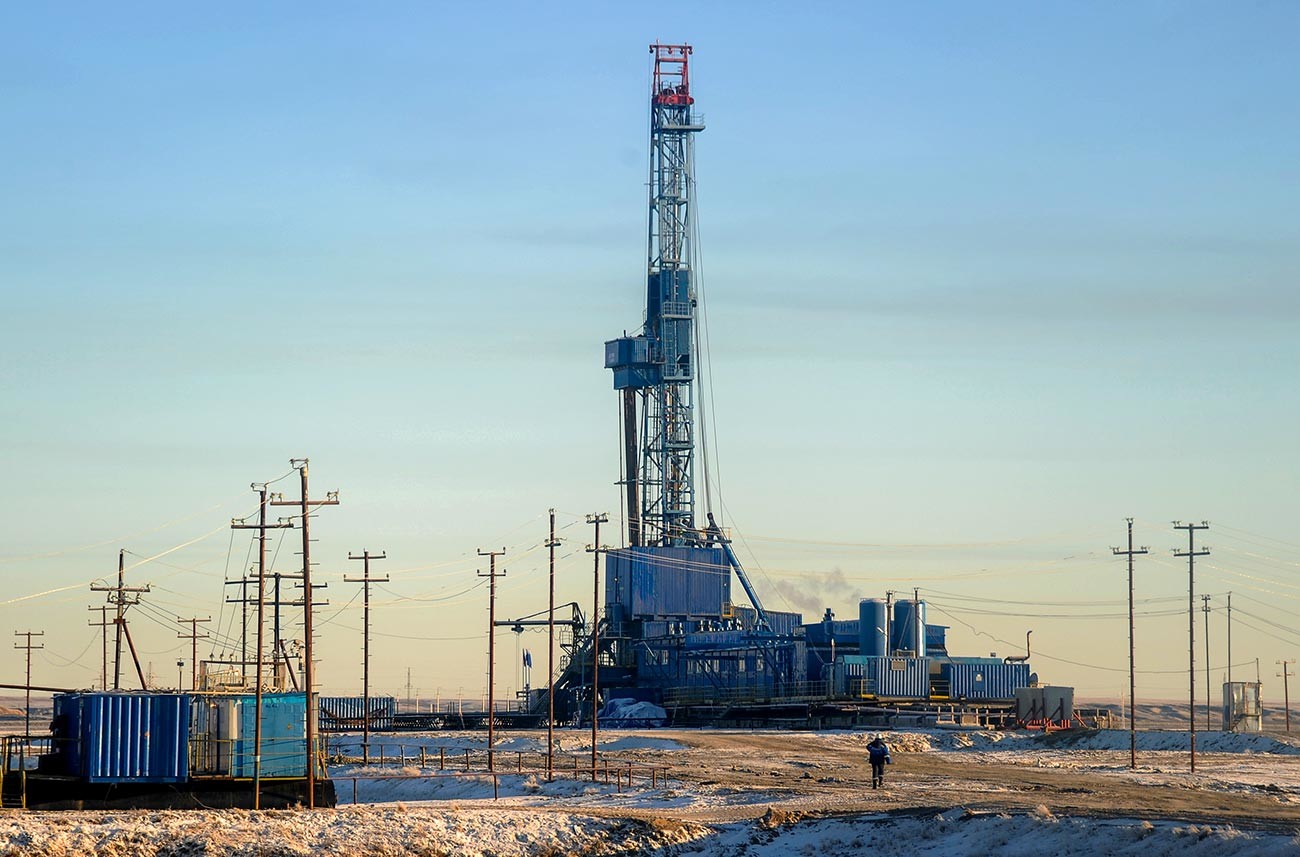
(879, 752)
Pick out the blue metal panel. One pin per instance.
(784, 624)
(872, 613)
(936, 638)
(984, 681)
(659, 582)
(845, 632)
(130, 737)
(717, 639)
(900, 678)
(629, 357)
(284, 741)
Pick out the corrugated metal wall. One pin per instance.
(661, 582)
(984, 680)
(900, 678)
(126, 737)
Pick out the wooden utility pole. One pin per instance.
(1229, 637)
(261, 526)
(1191, 553)
(122, 596)
(27, 706)
(365, 580)
(594, 549)
(331, 499)
(1286, 693)
(193, 636)
(103, 623)
(551, 544)
(243, 601)
(1205, 608)
(492, 635)
(1132, 671)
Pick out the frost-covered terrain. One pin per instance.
(950, 792)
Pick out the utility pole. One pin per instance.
(27, 706)
(331, 499)
(1191, 553)
(261, 526)
(1205, 607)
(889, 618)
(551, 544)
(122, 596)
(102, 623)
(1286, 693)
(594, 549)
(492, 651)
(243, 601)
(193, 636)
(1132, 671)
(1229, 637)
(365, 580)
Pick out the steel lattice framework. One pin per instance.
(656, 369)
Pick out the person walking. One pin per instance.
(878, 752)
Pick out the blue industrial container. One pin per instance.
(907, 634)
(124, 737)
(936, 638)
(984, 680)
(784, 624)
(897, 678)
(664, 582)
(872, 615)
(284, 738)
(631, 360)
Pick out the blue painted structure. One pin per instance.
(872, 627)
(123, 737)
(894, 678)
(284, 736)
(995, 680)
(666, 582)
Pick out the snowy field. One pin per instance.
(950, 792)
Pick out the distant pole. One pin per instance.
(180, 674)
(1286, 693)
(1191, 553)
(365, 580)
(492, 650)
(551, 544)
(1229, 637)
(193, 636)
(122, 596)
(103, 623)
(1205, 607)
(596, 519)
(1132, 671)
(27, 706)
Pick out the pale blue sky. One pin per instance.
(980, 279)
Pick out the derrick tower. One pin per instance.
(656, 369)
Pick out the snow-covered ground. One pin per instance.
(394, 829)
(412, 810)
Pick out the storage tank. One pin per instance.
(908, 631)
(872, 641)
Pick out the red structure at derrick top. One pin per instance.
(672, 81)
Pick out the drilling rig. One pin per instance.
(672, 582)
